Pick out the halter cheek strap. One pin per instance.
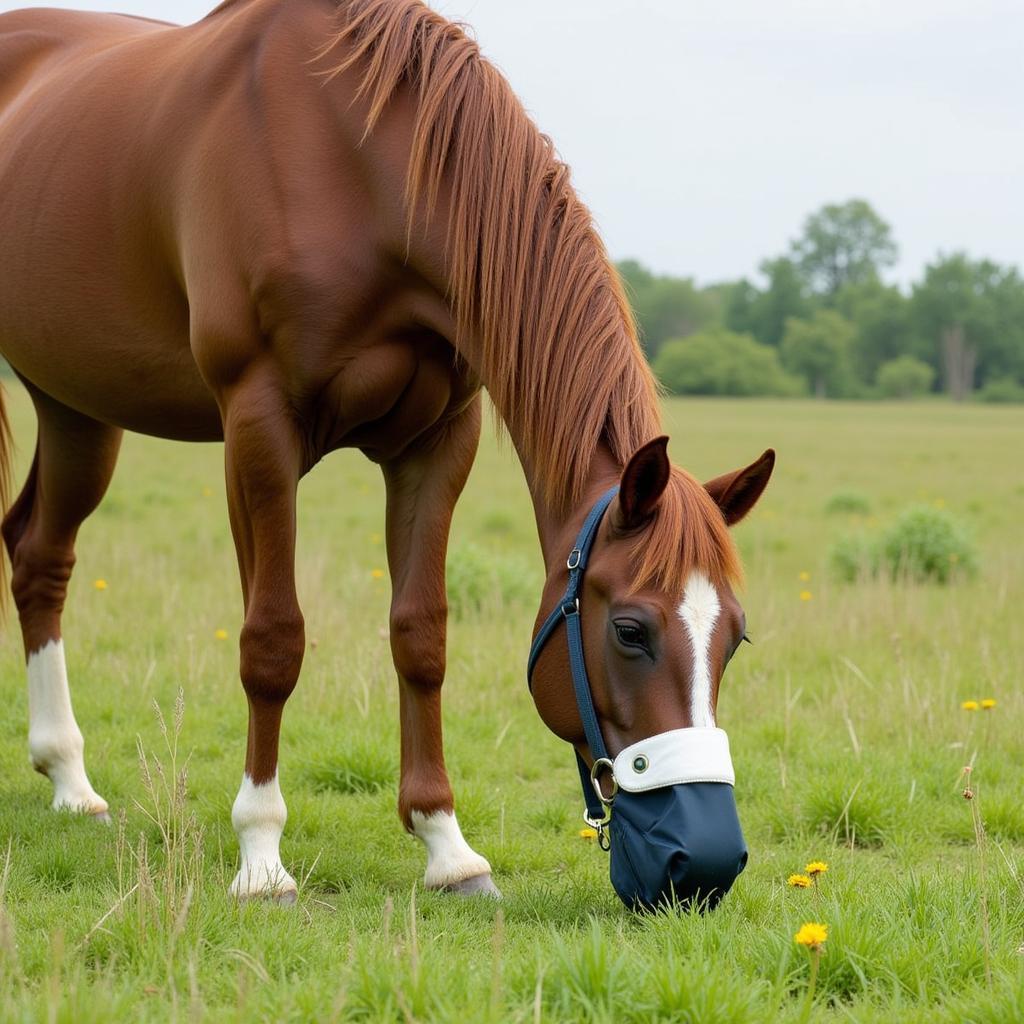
(568, 610)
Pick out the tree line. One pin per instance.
(822, 321)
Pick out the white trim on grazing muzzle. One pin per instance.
(697, 754)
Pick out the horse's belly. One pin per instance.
(150, 389)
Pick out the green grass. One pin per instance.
(844, 719)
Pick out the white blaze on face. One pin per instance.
(699, 611)
(55, 743)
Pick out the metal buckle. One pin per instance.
(573, 561)
(570, 608)
(598, 825)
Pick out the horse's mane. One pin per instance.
(540, 310)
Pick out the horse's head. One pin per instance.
(627, 668)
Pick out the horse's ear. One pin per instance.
(737, 493)
(643, 482)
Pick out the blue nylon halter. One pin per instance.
(568, 609)
(677, 842)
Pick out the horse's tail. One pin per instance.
(6, 459)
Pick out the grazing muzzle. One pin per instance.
(674, 835)
(681, 844)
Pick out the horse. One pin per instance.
(301, 225)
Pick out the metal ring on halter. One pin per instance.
(599, 763)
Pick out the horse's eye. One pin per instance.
(631, 633)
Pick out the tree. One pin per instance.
(665, 307)
(784, 298)
(972, 313)
(764, 313)
(818, 350)
(843, 243)
(884, 327)
(739, 301)
(718, 362)
(905, 377)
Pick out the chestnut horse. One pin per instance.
(301, 225)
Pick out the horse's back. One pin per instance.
(38, 41)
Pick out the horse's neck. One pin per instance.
(557, 527)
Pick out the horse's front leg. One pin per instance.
(422, 488)
(263, 465)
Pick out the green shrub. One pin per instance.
(853, 557)
(905, 377)
(927, 543)
(480, 578)
(848, 503)
(1001, 389)
(818, 350)
(719, 362)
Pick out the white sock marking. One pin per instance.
(450, 858)
(55, 743)
(258, 815)
(699, 611)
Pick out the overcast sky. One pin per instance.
(702, 132)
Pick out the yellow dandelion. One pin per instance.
(804, 576)
(969, 705)
(588, 833)
(816, 867)
(220, 634)
(939, 502)
(798, 881)
(375, 538)
(100, 584)
(806, 595)
(812, 935)
(988, 703)
(377, 574)
(207, 492)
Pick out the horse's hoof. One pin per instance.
(103, 816)
(477, 885)
(280, 897)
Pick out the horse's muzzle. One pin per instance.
(677, 845)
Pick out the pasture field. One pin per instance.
(844, 717)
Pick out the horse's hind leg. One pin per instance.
(422, 489)
(74, 460)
